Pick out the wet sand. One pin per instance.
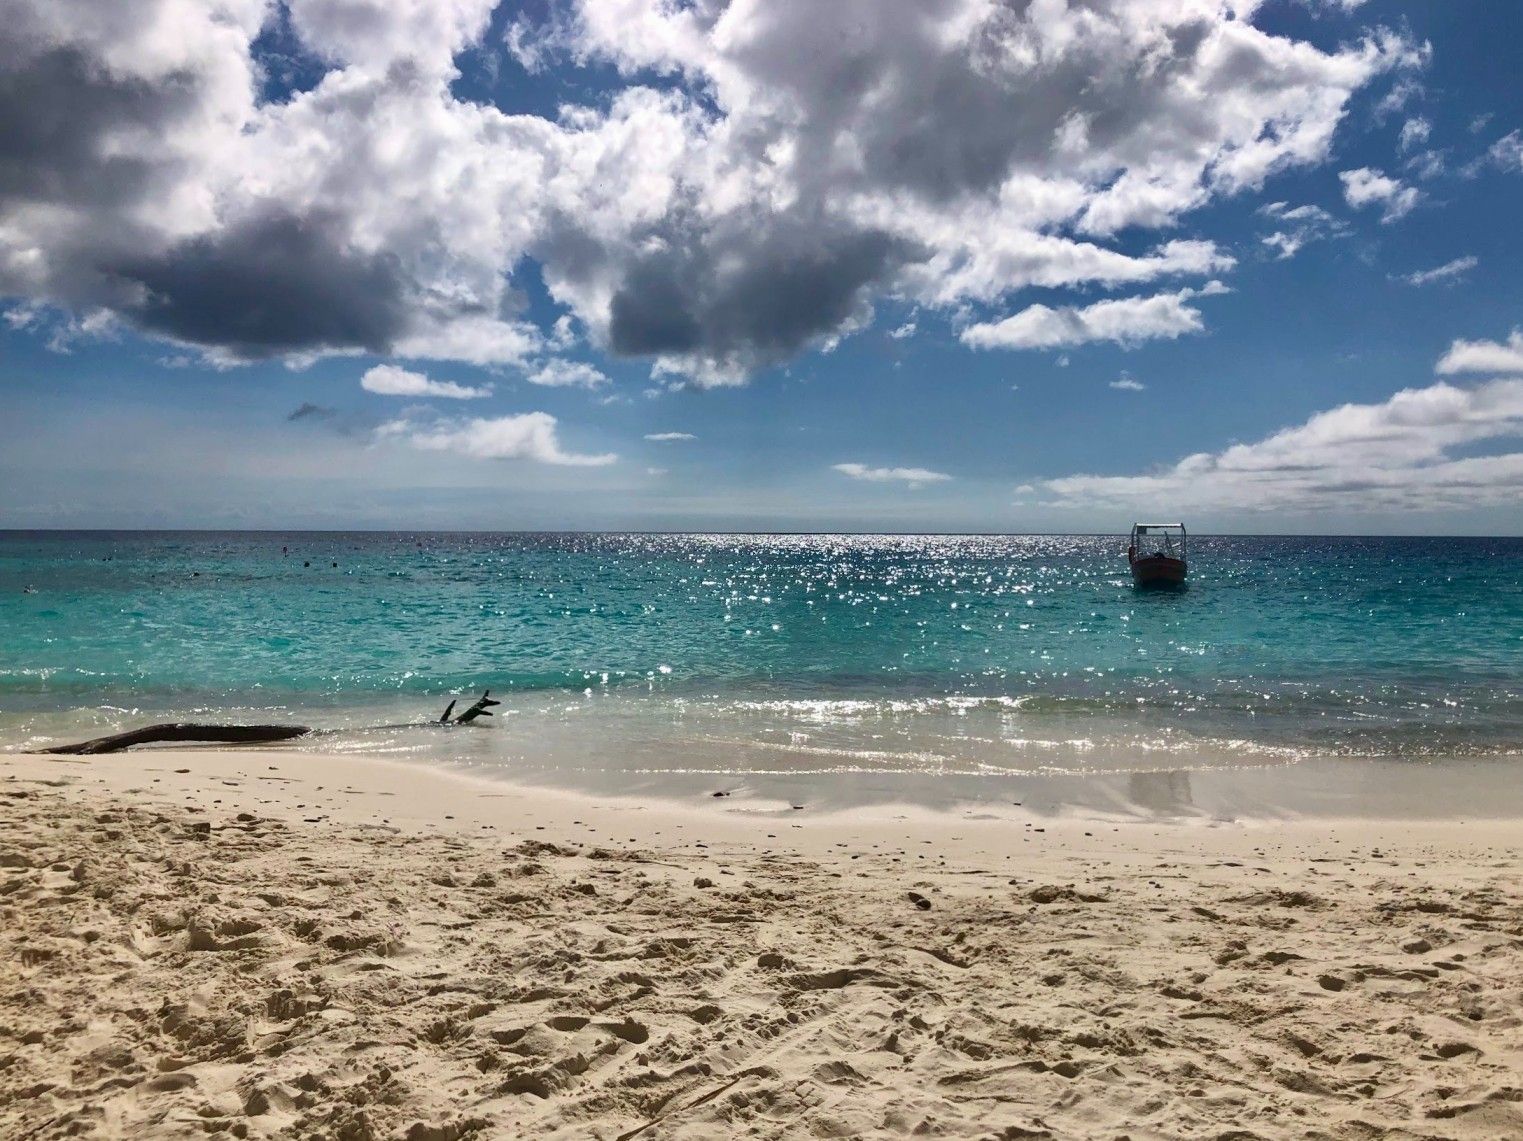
(278, 943)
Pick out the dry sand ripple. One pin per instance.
(179, 970)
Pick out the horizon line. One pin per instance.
(8, 531)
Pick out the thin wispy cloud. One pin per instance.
(1402, 93)
(1507, 152)
(1428, 164)
(389, 380)
(1414, 133)
(911, 476)
(1299, 226)
(1126, 382)
(1448, 273)
(669, 437)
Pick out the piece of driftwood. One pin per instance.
(243, 734)
(482, 708)
(182, 731)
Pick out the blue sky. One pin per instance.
(949, 275)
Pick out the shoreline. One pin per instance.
(283, 943)
(1327, 790)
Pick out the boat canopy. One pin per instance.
(1166, 539)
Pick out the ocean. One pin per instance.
(824, 669)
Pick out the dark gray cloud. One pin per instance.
(309, 411)
(345, 423)
(59, 109)
(756, 298)
(272, 284)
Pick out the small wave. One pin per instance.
(838, 708)
(839, 751)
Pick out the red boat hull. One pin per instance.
(1158, 570)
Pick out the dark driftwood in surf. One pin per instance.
(179, 731)
(243, 734)
(480, 709)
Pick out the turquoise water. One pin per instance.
(649, 659)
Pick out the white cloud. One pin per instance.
(757, 177)
(1484, 356)
(1448, 272)
(473, 338)
(1126, 382)
(389, 380)
(1393, 456)
(1128, 321)
(558, 373)
(913, 476)
(379, 33)
(1507, 152)
(1369, 187)
(1414, 133)
(23, 316)
(665, 437)
(1298, 226)
(562, 334)
(1428, 164)
(527, 436)
(1402, 92)
(905, 330)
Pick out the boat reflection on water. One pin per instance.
(1162, 793)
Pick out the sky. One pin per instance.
(941, 265)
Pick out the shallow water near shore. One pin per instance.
(1294, 675)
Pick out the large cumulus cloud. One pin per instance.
(763, 172)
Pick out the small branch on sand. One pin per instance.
(242, 734)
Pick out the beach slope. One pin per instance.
(284, 944)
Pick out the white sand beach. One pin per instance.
(286, 944)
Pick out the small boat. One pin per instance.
(1157, 554)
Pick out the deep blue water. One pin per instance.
(970, 654)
